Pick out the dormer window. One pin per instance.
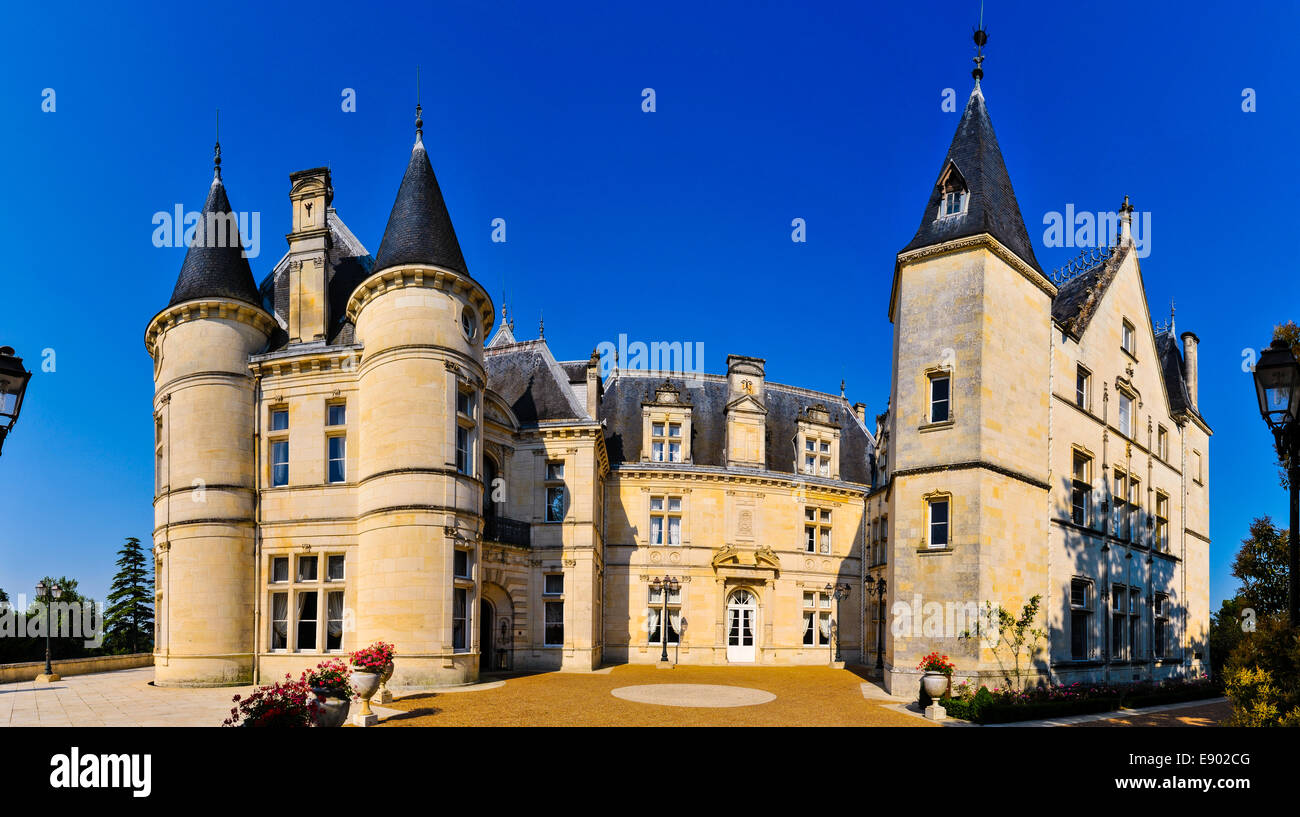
(954, 203)
(953, 188)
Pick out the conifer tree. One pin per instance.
(129, 620)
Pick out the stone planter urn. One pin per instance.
(333, 711)
(384, 695)
(366, 684)
(935, 684)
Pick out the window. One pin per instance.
(555, 496)
(337, 455)
(817, 530)
(938, 523)
(468, 324)
(1127, 341)
(666, 442)
(460, 564)
(1081, 492)
(1127, 507)
(665, 520)
(279, 621)
(307, 603)
(954, 203)
(1125, 415)
(1196, 464)
(1126, 619)
(554, 634)
(306, 568)
(280, 420)
(1162, 443)
(816, 455)
(334, 621)
(1161, 628)
(1162, 522)
(1080, 618)
(466, 403)
(459, 619)
(553, 584)
(1083, 388)
(816, 618)
(280, 463)
(280, 569)
(655, 614)
(939, 398)
(879, 541)
(336, 414)
(334, 568)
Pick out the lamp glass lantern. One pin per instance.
(13, 385)
(1277, 385)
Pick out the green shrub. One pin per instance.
(1262, 677)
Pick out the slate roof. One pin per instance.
(349, 264)
(532, 383)
(1078, 298)
(707, 394)
(992, 206)
(419, 228)
(1171, 366)
(215, 266)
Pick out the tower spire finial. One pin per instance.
(541, 324)
(981, 39)
(216, 157)
(419, 120)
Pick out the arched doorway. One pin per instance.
(486, 624)
(742, 611)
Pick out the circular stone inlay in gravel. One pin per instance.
(702, 695)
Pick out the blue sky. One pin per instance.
(666, 226)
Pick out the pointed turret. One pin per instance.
(215, 266)
(419, 228)
(973, 194)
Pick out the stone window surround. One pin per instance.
(1087, 609)
(651, 414)
(819, 432)
(665, 513)
(819, 526)
(469, 422)
(928, 376)
(292, 588)
(272, 437)
(927, 501)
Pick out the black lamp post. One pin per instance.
(666, 585)
(13, 385)
(1277, 385)
(841, 593)
(47, 594)
(876, 590)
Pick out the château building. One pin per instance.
(359, 449)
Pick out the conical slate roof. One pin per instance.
(215, 266)
(992, 206)
(419, 228)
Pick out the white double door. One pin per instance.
(741, 611)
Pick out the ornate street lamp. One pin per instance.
(13, 385)
(1277, 385)
(876, 590)
(841, 592)
(46, 594)
(666, 585)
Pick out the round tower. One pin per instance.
(421, 319)
(204, 458)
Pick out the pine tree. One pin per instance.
(129, 620)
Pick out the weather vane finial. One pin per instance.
(419, 121)
(981, 38)
(216, 157)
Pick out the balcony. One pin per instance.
(507, 531)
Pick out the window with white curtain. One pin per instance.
(655, 614)
(334, 621)
(665, 520)
(307, 611)
(816, 618)
(279, 621)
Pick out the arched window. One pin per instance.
(953, 187)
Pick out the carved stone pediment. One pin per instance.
(731, 561)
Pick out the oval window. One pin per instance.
(467, 323)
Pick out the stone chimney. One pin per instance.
(1189, 364)
(310, 193)
(746, 412)
(593, 385)
(1125, 223)
(860, 409)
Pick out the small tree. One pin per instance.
(1004, 632)
(129, 620)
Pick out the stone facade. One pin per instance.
(344, 456)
